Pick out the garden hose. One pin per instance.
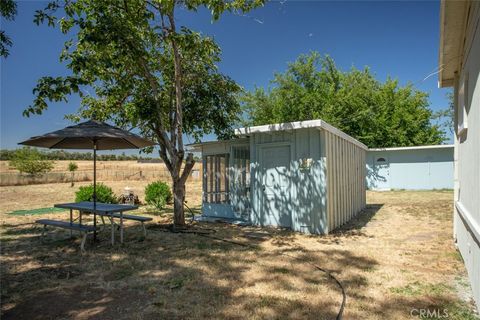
(208, 233)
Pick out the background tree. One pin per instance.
(445, 117)
(378, 114)
(145, 72)
(31, 161)
(72, 167)
(8, 10)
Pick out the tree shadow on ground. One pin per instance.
(186, 276)
(166, 275)
(356, 224)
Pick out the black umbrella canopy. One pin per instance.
(84, 135)
(94, 135)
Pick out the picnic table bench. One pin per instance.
(106, 209)
(111, 211)
(84, 229)
(140, 219)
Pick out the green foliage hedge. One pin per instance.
(158, 194)
(104, 194)
(31, 161)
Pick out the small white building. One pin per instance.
(459, 67)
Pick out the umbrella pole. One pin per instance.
(95, 189)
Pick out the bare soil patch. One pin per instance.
(396, 256)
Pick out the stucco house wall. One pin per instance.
(459, 67)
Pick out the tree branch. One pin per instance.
(189, 163)
(178, 121)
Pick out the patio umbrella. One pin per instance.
(93, 135)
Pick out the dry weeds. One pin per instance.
(398, 255)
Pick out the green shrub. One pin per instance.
(104, 194)
(31, 161)
(72, 167)
(158, 194)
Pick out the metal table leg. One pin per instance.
(121, 227)
(82, 245)
(80, 219)
(71, 221)
(112, 224)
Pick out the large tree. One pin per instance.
(145, 71)
(378, 114)
(8, 10)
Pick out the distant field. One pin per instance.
(106, 171)
(45, 195)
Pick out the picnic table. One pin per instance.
(104, 209)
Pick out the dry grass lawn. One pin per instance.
(397, 256)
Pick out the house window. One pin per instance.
(462, 124)
(215, 178)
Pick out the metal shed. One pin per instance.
(307, 176)
(410, 168)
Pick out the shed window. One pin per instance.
(215, 178)
(241, 164)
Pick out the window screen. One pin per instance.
(215, 178)
(241, 163)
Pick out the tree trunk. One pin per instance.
(178, 200)
(179, 179)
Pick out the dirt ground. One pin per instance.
(394, 260)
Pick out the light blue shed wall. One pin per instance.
(420, 169)
(301, 205)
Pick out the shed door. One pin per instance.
(275, 165)
(382, 172)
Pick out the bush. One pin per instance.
(104, 194)
(31, 161)
(72, 167)
(158, 194)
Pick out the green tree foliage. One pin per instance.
(104, 194)
(146, 72)
(72, 167)
(8, 11)
(445, 117)
(378, 114)
(31, 161)
(158, 194)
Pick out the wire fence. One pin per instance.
(15, 178)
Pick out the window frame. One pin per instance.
(462, 103)
(216, 184)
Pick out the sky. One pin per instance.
(397, 39)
